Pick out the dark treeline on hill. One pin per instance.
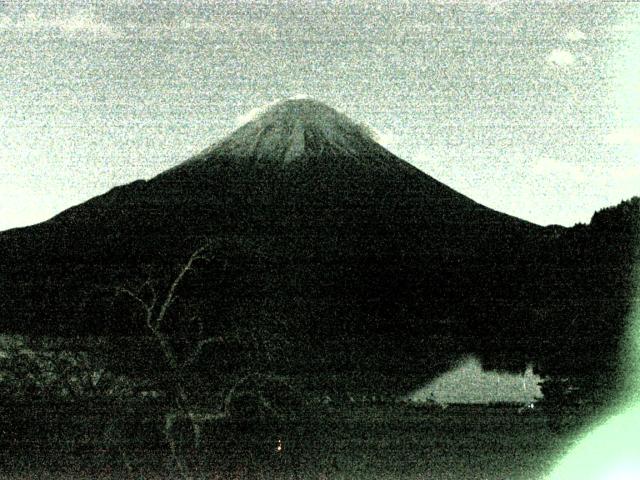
(327, 253)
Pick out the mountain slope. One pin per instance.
(326, 248)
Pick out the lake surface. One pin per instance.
(359, 442)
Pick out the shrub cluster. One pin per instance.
(32, 374)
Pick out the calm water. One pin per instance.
(466, 442)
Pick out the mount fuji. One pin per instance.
(331, 252)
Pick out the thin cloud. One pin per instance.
(554, 168)
(182, 26)
(384, 138)
(493, 5)
(257, 111)
(71, 25)
(84, 24)
(561, 57)
(624, 136)
(254, 113)
(575, 35)
(628, 173)
(625, 27)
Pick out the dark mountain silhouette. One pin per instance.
(331, 253)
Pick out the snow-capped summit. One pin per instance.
(295, 128)
(292, 130)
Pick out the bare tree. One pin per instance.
(155, 315)
(156, 310)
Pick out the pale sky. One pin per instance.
(531, 108)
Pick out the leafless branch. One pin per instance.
(147, 307)
(171, 295)
(135, 297)
(232, 392)
(197, 349)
